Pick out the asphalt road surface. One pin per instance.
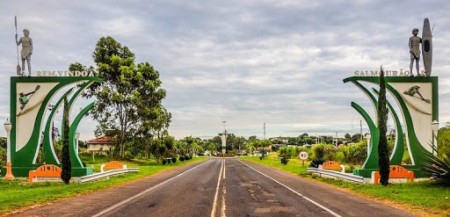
(218, 187)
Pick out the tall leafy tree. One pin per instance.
(383, 151)
(66, 164)
(129, 100)
(443, 141)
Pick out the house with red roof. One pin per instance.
(100, 144)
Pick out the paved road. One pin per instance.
(218, 187)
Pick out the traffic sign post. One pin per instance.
(303, 156)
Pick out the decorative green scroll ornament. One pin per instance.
(31, 128)
(415, 109)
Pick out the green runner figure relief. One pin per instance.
(415, 90)
(24, 98)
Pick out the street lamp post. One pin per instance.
(9, 176)
(434, 129)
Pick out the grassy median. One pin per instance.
(425, 198)
(19, 194)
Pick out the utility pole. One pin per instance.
(264, 130)
(336, 138)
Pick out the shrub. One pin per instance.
(285, 154)
(318, 152)
(352, 154)
(438, 167)
(164, 161)
(174, 159)
(316, 162)
(128, 155)
(182, 158)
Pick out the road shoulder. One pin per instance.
(83, 204)
(340, 199)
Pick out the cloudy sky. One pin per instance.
(279, 62)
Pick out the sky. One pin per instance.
(278, 62)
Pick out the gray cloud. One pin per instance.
(247, 62)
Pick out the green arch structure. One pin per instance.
(24, 160)
(416, 149)
(49, 152)
(77, 165)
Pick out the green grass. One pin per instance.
(294, 166)
(18, 193)
(424, 195)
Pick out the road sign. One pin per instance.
(303, 155)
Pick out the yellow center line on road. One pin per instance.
(213, 211)
(224, 191)
(224, 168)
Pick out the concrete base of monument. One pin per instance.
(77, 172)
(8, 176)
(19, 171)
(24, 171)
(367, 173)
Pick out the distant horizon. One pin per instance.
(276, 62)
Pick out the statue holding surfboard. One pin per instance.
(427, 48)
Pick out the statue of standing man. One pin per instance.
(27, 50)
(414, 50)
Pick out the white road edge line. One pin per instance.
(299, 194)
(213, 211)
(142, 193)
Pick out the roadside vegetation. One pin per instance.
(18, 194)
(425, 198)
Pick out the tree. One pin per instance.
(129, 100)
(285, 154)
(239, 143)
(251, 138)
(443, 141)
(66, 164)
(383, 151)
(347, 136)
(3, 142)
(356, 137)
(354, 154)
